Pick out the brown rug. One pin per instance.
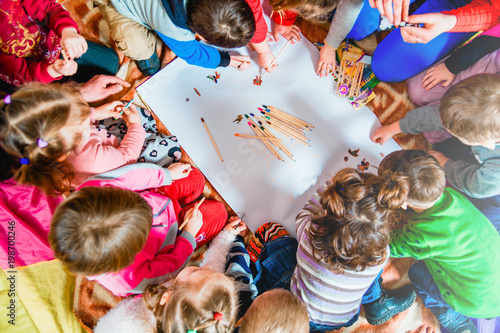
(92, 301)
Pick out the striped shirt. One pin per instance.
(331, 299)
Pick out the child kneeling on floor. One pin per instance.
(343, 234)
(459, 248)
(120, 228)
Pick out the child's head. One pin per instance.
(470, 110)
(224, 23)
(39, 126)
(199, 299)
(352, 231)
(425, 176)
(277, 311)
(311, 10)
(100, 230)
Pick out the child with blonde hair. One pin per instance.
(470, 112)
(343, 234)
(120, 228)
(49, 130)
(459, 249)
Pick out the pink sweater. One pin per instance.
(165, 252)
(102, 152)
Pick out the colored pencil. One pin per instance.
(259, 133)
(126, 106)
(277, 144)
(272, 108)
(186, 218)
(284, 125)
(276, 58)
(256, 137)
(284, 119)
(212, 139)
(264, 132)
(64, 55)
(288, 134)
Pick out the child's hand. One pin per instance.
(108, 110)
(384, 133)
(287, 32)
(130, 115)
(179, 170)
(194, 219)
(236, 226)
(265, 59)
(101, 86)
(73, 42)
(437, 74)
(440, 157)
(240, 62)
(327, 61)
(62, 67)
(434, 25)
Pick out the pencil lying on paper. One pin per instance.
(187, 217)
(276, 58)
(272, 108)
(257, 137)
(212, 139)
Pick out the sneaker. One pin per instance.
(389, 304)
(453, 321)
(149, 66)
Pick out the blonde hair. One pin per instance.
(352, 230)
(471, 108)
(277, 311)
(317, 11)
(424, 173)
(39, 112)
(99, 230)
(184, 311)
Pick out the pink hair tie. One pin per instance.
(218, 316)
(7, 99)
(42, 143)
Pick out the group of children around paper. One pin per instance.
(75, 168)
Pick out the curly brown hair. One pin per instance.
(353, 230)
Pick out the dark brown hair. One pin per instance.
(277, 311)
(41, 112)
(471, 108)
(426, 177)
(352, 231)
(99, 230)
(224, 23)
(190, 309)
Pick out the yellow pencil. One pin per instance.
(188, 216)
(256, 137)
(212, 139)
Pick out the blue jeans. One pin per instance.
(372, 294)
(394, 60)
(456, 150)
(276, 264)
(428, 290)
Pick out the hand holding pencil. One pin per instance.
(193, 220)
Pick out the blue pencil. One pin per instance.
(128, 104)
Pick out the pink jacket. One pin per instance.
(25, 217)
(165, 252)
(102, 152)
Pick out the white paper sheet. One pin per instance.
(250, 179)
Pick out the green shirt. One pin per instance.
(461, 249)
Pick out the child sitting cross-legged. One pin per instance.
(459, 248)
(120, 228)
(343, 234)
(470, 112)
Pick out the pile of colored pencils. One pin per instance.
(283, 123)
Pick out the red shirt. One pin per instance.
(476, 16)
(30, 32)
(260, 24)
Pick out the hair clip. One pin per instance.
(42, 143)
(7, 99)
(191, 331)
(25, 161)
(218, 316)
(342, 189)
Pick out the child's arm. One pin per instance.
(284, 25)
(196, 53)
(422, 119)
(313, 206)
(407, 242)
(477, 181)
(476, 16)
(20, 70)
(343, 20)
(460, 60)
